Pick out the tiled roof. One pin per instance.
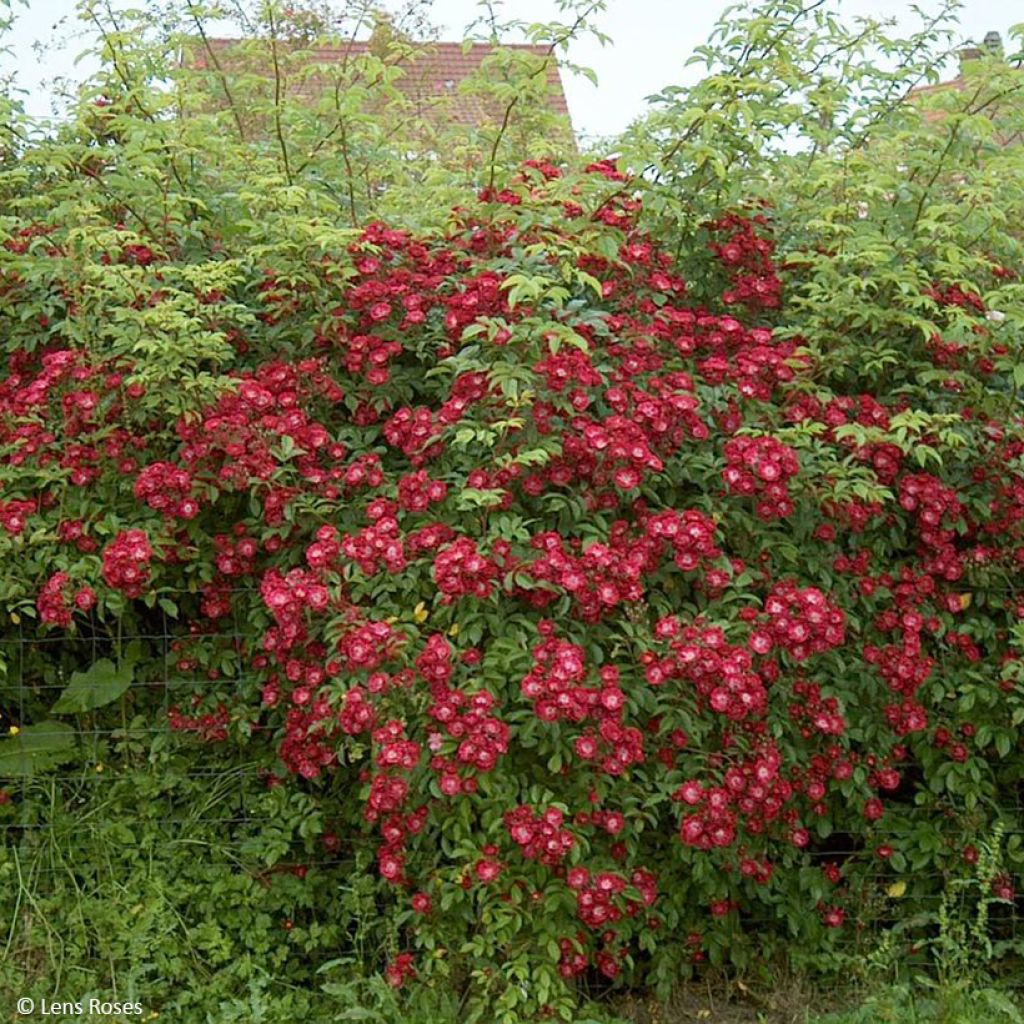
(953, 85)
(959, 84)
(431, 74)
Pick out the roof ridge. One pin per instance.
(222, 40)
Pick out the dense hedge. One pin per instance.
(575, 596)
(619, 580)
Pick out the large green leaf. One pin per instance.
(100, 684)
(36, 748)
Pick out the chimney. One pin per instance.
(990, 46)
(993, 44)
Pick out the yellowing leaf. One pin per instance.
(896, 890)
(965, 601)
(420, 613)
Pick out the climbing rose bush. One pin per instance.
(608, 638)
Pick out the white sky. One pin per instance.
(651, 41)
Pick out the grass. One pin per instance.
(793, 1002)
(903, 1005)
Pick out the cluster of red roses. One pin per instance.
(722, 674)
(126, 562)
(168, 489)
(761, 467)
(479, 736)
(602, 576)
(539, 836)
(52, 603)
(746, 252)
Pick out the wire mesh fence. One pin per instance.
(129, 785)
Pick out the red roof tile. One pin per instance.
(432, 72)
(935, 115)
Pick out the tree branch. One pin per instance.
(220, 71)
(278, 131)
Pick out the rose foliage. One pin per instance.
(616, 618)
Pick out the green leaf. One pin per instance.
(102, 683)
(36, 748)
(355, 1012)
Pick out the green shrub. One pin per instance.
(621, 570)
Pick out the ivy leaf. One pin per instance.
(36, 748)
(102, 683)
